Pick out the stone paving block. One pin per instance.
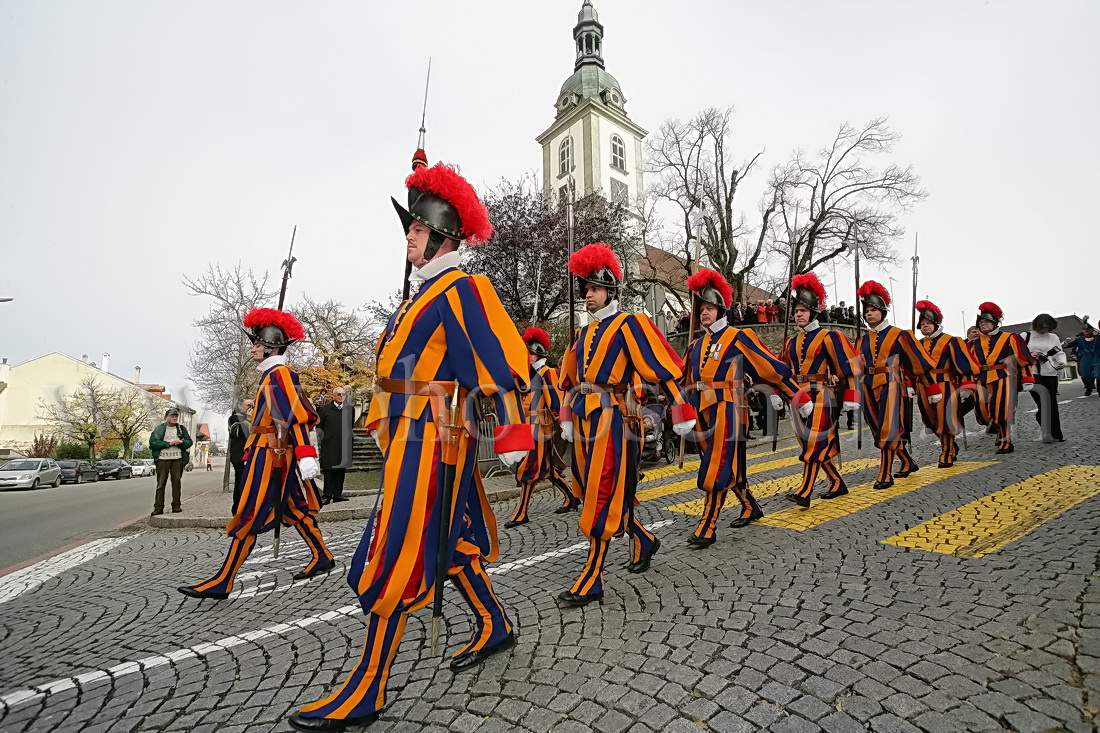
(840, 722)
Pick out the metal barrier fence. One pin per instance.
(487, 459)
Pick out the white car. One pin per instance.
(143, 466)
(30, 473)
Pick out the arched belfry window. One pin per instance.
(565, 156)
(618, 153)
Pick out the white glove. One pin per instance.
(512, 457)
(911, 392)
(567, 430)
(806, 409)
(685, 427)
(851, 406)
(1028, 386)
(934, 398)
(777, 403)
(308, 468)
(965, 394)
(374, 436)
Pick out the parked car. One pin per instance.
(142, 466)
(114, 468)
(29, 473)
(77, 472)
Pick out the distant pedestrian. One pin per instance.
(772, 310)
(1086, 348)
(761, 312)
(1046, 350)
(209, 463)
(737, 314)
(169, 442)
(335, 428)
(240, 427)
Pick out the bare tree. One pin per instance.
(829, 203)
(220, 364)
(42, 446)
(694, 171)
(129, 415)
(341, 345)
(80, 416)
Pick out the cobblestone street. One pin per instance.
(959, 599)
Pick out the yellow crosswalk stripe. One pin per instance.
(988, 524)
(771, 487)
(677, 486)
(863, 496)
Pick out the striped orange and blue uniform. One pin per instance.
(606, 449)
(890, 356)
(454, 328)
(541, 404)
(267, 473)
(717, 364)
(1002, 358)
(817, 357)
(953, 368)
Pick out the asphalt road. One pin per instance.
(43, 521)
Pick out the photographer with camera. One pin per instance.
(1046, 351)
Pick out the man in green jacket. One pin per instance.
(169, 443)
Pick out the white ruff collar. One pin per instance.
(273, 360)
(435, 266)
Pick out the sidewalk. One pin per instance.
(211, 509)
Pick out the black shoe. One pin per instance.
(177, 511)
(834, 494)
(1002, 451)
(883, 484)
(156, 513)
(947, 464)
(325, 501)
(903, 474)
(800, 500)
(200, 594)
(643, 564)
(515, 523)
(699, 543)
(572, 507)
(477, 657)
(298, 722)
(340, 498)
(743, 522)
(318, 570)
(575, 599)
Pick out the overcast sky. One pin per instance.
(141, 141)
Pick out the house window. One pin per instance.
(565, 156)
(620, 192)
(618, 153)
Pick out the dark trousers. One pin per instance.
(1047, 416)
(166, 469)
(334, 482)
(238, 479)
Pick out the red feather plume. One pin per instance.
(992, 308)
(537, 334)
(280, 319)
(809, 280)
(873, 287)
(705, 277)
(445, 182)
(591, 257)
(927, 305)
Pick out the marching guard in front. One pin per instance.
(451, 339)
(717, 363)
(600, 415)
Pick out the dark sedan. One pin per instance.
(114, 468)
(77, 472)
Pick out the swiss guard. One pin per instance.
(541, 404)
(953, 369)
(449, 344)
(280, 463)
(1003, 359)
(818, 357)
(717, 363)
(601, 417)
(892, 358)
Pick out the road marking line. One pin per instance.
(862, 497)
(679, 486)
(771, 487)
(693, 466)
(206, 648)
(27, 579)
(990, 523)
